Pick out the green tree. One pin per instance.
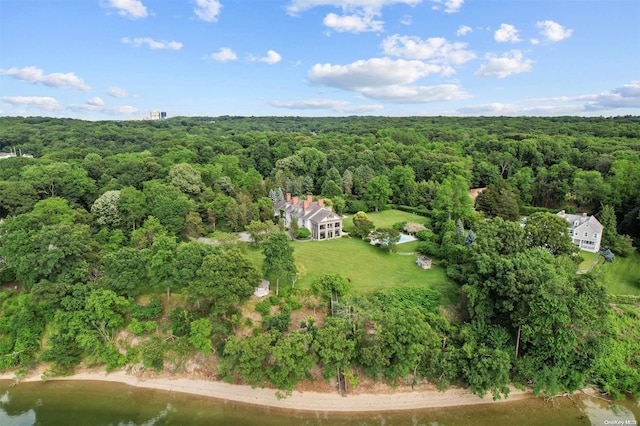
(498, 199)
(452, 201)
(327, 284)
(126, 271)
(334, 345)
(378, 192)
(551, 232)
(403, 185)
(186, 178)
(291, 360)
(278, 258)
(105, 209)
(259, 231)
(200, 335)
(363, 225)
(16, 197)
(132, 207)
(224, 278)
(387, 238)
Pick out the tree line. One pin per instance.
(108, 212)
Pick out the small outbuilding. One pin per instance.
(262, 290)
(423, 262)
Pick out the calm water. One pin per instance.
(95, 403)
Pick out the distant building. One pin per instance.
(423, 262)
(585, 231)
(319, 219)
(158, 115)
(14, 153)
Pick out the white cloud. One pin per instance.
(133, 9)
(117, 92)
(97, 105)
(506, 33)
(375, 72)
(153, 44)
(415, 94)
(463, 30)
(297, 6)
(534, 41)
(387, 80)
(272, 57)
(356, 23)
(552, 31)
(96, 101)
(225, 54)
(406, 20)
(36, 75)
(437, 49)
(359, 109)
(450, 6)
(310, 104)
(38, 102)
(208, 10)
(502, 109)
(328, 104)
(625, 96)
(504, 66)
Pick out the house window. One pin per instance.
(595, 235)
(586, 234)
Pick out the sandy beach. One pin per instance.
(422, 397)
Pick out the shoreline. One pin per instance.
(300, 401)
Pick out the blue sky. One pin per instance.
(121, 59)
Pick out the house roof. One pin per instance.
(314, 213)
(582, 218)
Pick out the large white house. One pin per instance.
(586, 231)
(319, 219)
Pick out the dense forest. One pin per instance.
(101, 262)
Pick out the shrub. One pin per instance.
(140, 327)
(354, 206)
(429, 248)
(399, 226)
(303, 234)
(425, 235)
(279, 322)
(152, 310)
(264, 307)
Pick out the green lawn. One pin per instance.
(386, 218)
(589, 260)
(623, 275)
(369, 268)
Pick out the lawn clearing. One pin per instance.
(369, 268)
(590, 260)
(385, 219)
(623, 275)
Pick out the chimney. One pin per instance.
(561, 212)
(309, 198)
(305, 205)
(295, 201)
(584, 215)
(288, 197)
(320, 202)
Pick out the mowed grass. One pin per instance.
(623, 275)
(589, 260)
(369, 268)
(385, 219)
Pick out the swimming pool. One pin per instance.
(404, 238)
